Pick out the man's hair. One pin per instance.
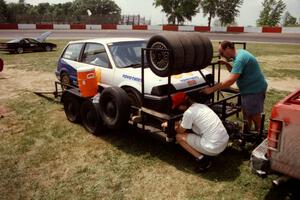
(227, 44)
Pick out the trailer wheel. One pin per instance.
(164, 63)
(90, 118)
(114, 107)
(71, 106)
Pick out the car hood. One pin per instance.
(43, 36)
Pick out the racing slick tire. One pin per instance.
(90, 117)
(209, 51)
(199, 51)
(164, 63)
(189, 51)
(71, 107)
(114, 107)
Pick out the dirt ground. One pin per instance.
(14, 82)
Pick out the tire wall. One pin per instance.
(178, 53)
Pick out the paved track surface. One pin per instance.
(290, 38)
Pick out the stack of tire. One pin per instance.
(176, 53)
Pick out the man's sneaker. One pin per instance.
(203, 164)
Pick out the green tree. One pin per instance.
(209, 8)
(289, 20)
(178, 11)
(107, 8)
(271, 13)
(3, 11)
(227, 11)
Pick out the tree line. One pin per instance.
(177, 11)
(78, 11)
(225, 11)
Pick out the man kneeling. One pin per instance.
(209, 136)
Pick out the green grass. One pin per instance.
(44, 156)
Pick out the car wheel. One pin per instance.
(90, 118)
(65, 80)
(114, 107)
(20, 50)
(71, 107)
(135, 98)
(164, 63)
(48, 48)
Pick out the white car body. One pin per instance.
(131, 77)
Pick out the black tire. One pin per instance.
(209, 51)
(90, 117)
(71, 107)
(48, 48)
(199, 51)
(20, 50)
(114, 107)
(189, 51)
(135, 97)
(65, 80)
(164, 63)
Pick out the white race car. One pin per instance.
(119, 62)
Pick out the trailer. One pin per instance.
(111, 107)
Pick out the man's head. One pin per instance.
(179, 101)
(227, 50)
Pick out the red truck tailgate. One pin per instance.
(284, 136)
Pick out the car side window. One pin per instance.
(73, 51)
(95, 54)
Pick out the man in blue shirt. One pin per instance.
(245, 71)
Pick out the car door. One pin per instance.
(70, 61)
(94, 54)
(34, 45)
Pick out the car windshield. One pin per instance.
(127, 54)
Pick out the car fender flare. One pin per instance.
(132, 84)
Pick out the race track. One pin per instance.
(289, 38)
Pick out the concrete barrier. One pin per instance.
(253, 29)
(154, 28)
(77, 26)
(8, 26)
(93, 27)
(291, 30)
(229, 29)
(44, 26)
(202, 28)
(124, 27)
(26, 26)
(186, 28)
(61, 26)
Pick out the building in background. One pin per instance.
(134, 20)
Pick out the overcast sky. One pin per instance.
(249, 11)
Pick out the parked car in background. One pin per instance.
(22, 45)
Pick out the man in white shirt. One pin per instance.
(209, 136)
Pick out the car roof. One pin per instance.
(109, 40)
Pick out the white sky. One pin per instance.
(249, 11)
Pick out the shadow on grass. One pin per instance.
(288, 190)
(225, 166)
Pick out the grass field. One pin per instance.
(44, 156)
